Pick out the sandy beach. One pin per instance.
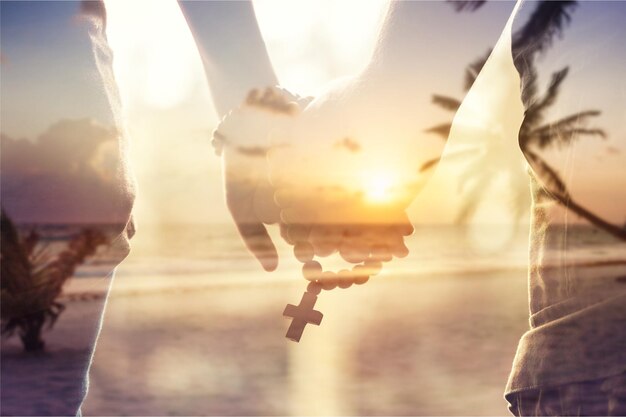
(194, 327)
(440, 345)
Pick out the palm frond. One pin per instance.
(31, 282)
(534, 112)
(560, 137)
(429, 164)
(466, 5)
(528, 82)
(552, 91)
(562, 131)
(567, 122)
(448, 103)
(443, 130)
(474, 68)
(15, 265)
(40, 254)
(547, 22)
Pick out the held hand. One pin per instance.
(241, 140)
(347, 169)
(251, 206)
(362, 141)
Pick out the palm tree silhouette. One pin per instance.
(547, 21)
(536, 136)
(32, 279)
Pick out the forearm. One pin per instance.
(233, 52)
(424, 40)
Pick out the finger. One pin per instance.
(399, 248)
(284, 233)
(264, 206)
(239, 201)
(259, 242)
(404, 225)
(381, 253)
(352, 251)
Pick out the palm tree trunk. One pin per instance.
(31, 332)
(562, 196)
(592, 218)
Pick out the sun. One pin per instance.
(378, 187)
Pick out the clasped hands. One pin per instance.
(337, 173)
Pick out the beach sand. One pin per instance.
(439, 345)
(197, 332)
(197, 329)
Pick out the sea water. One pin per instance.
(213, 250)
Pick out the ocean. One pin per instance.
(212, 250)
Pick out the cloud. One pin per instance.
(272, 100)
(349, 144)
(93, 9)
(253, 151)
(613, 150)
(70, 173)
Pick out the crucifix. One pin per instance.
(302, 314)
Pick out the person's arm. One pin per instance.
(360, 145)
(423, 50)
(236, 62)
(427, 44)
(233, 52)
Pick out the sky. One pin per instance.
(49, 79)
(58, 142)
(47, 68)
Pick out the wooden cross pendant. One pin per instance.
(302, 314)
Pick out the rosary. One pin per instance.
(244, 132)
(353, 247)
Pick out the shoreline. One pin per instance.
(125, 284)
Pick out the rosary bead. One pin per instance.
(303, 251)
(323, 239)
(328, 276)
(312, 270)
(381, 253)
(344, 284)
(314, 287)
(344, 278)
(324, 249)
(329, 280)
(299, 232)
(329, 285)
(361, 280)
(360, 275)
(372, 267)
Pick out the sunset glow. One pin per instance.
(379, 187)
